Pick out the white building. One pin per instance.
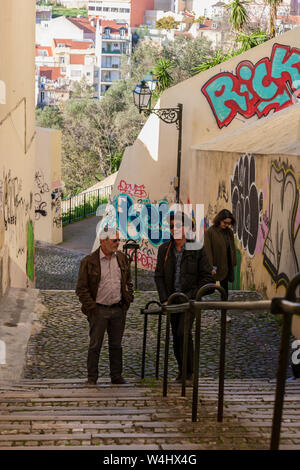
(113, 40)
(113, 10)
(64, 28)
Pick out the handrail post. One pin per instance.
(224, 296)
(167, 341)
(144, 345)
(196, 366)
(185, 350)
(158, 347)
(282, 362)
(147, 312)
(171, 300)
(199, 295)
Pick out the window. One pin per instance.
(105, 9)
(98, 8)
(92, 8)
(62, 60)
(88, 74)
(63, 69)
(42, 96)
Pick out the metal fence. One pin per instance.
(287, 307)
(84, 204)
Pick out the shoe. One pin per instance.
(91, 383)
(228, 318)
(119, 381)
(189, 380)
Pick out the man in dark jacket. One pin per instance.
(181, 270)
(105, 291)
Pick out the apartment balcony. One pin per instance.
(115, 52)
(114, 37)
(110, 66)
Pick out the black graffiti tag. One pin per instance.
(247, 202)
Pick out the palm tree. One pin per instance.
(273, 4)
(163, 76)
(248, 41)
(238, 14)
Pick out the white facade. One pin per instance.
(59, 27)
(110, 9)
(109, 50)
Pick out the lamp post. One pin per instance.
(142, 99)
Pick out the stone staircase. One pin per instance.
(64, 414)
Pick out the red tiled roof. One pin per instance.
(73, 44)
(51, 73)
(77, 59)
(84, 24)
(43, 48)
(115, 27)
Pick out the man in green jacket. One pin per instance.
(183, 270)
(105, 290)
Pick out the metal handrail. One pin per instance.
(287, 306)
(157, 311)
(76, 207)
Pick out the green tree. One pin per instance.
(273, 4)
(167, 22)
(186, 53)
(162, 72)
(49, 116)
(247, 41)
(238, 15)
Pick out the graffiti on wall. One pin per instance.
(247, 202)
(41, 189)
(30, 251)
(133, 190)
(281, 252)
(270, 84)
(56, 197)
(15, 210)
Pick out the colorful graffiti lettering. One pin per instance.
(271, 84)
(247, 202)
(282, 245)
(133, 190)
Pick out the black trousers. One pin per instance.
(177, 325)
(224, 284)
(111, 320)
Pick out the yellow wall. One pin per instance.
(17, 143)
(47, 195)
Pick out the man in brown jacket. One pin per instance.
(105, 290)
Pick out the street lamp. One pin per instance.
(142, 99)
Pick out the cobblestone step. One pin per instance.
(54, 414)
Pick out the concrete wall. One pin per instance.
(47, 191)
(17, 144)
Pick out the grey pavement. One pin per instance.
(80, 236)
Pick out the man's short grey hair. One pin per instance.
(107, 232)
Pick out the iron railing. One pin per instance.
(84, 204)
(287, 307)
